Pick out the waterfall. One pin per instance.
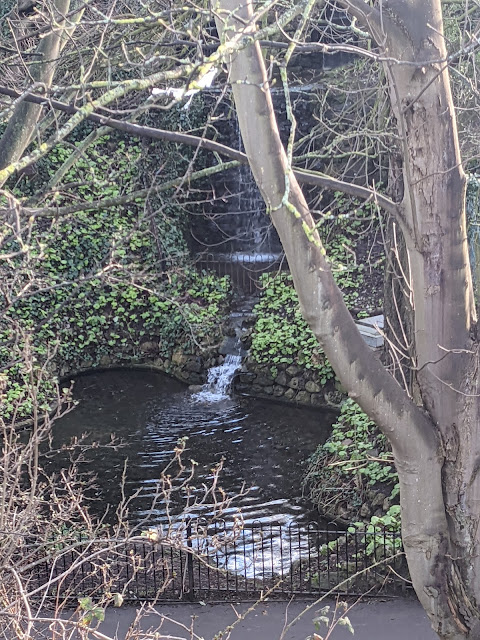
(219, 380)
(253, 231)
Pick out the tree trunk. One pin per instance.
(444, 308)
(21, 126)
(436, 453)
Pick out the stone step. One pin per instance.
(369, 332)
(372, 321)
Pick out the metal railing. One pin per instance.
(209, 561)
(244, 269)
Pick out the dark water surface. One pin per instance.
(263, 444)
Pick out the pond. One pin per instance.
(262, 444)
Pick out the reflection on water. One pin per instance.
(263, 444)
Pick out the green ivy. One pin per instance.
(342, 228)
(103, 281)
(355, 456)
(281, 335)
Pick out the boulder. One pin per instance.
(178, 358)
(149, 347)
(378, 499)
(293, 370)
(194, 364)
(296, 383)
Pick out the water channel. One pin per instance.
(263, 444)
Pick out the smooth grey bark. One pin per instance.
(436, 446)
(22, 123)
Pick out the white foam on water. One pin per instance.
(219, 381)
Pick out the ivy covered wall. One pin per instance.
(106, 286)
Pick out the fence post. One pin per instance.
(191, 585)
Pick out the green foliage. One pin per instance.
(355, 457)
(281, 335)
(356, 442)
(347, 229)
(90, 611)
(375, 539)
(102, 281)
(331, 618)
(14, 384)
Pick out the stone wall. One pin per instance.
(285, 383)
(186, 367)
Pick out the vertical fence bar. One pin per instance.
(227, 570)
(272, 568)
(327, 544)
(309, 558)
(252, 535)
(191, 584)
(144, 568)
(355, 538)
(196, 560)
(290, 554)
(282, 564)
(217, 562)
(173, 574)
(300, 572)
(245, 572)
(365, 561)
(154, 572)
(347, 564)
(235, 562)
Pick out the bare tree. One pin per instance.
(434, 436)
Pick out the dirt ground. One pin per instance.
(395, 619)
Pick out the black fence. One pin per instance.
(202, 561)
(244, 269)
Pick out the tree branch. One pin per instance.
(104, 119)
(365, 193)
(51, 211)
(304, 177)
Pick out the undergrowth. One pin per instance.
(281, 335)
(354, 464)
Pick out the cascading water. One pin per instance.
(253, 233)
(219, 380)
